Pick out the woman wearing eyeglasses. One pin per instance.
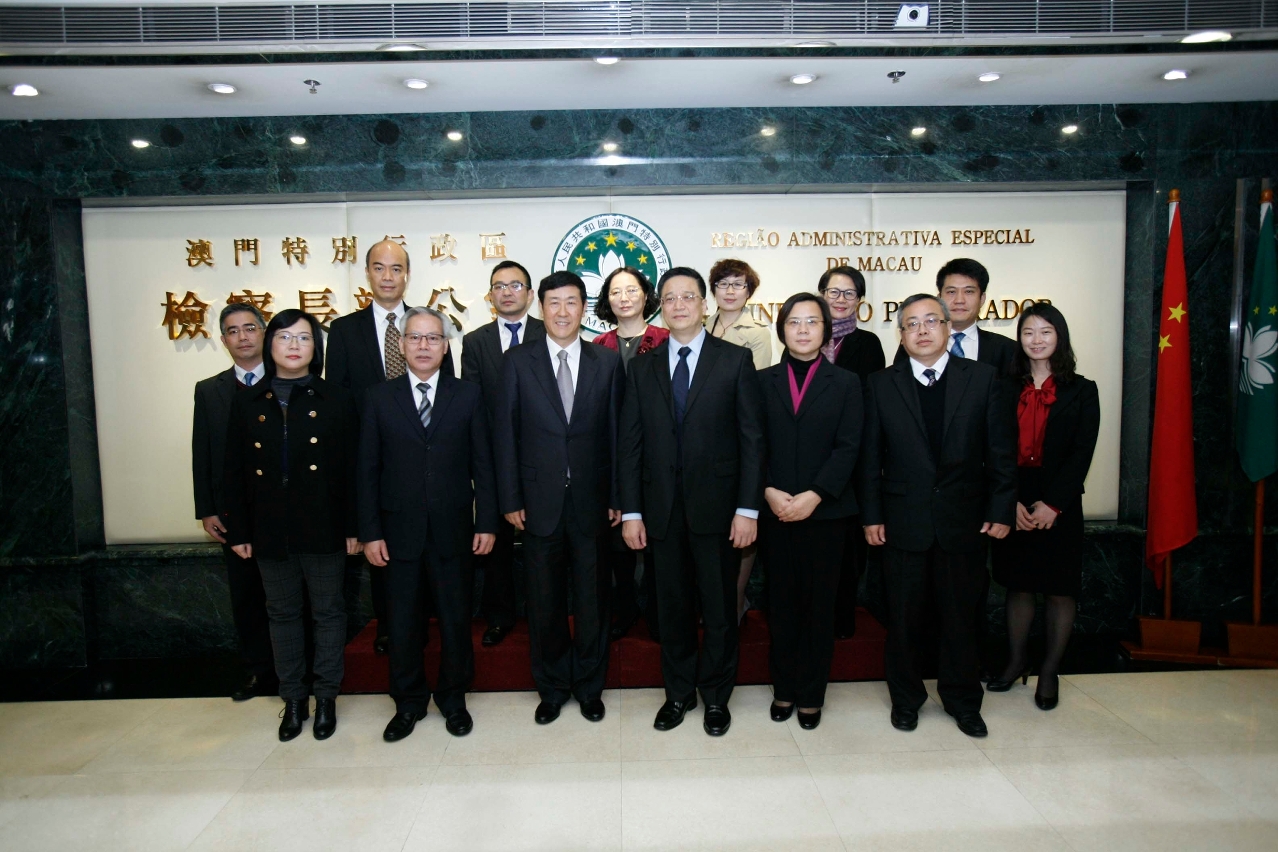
(290, 502)
(813, 429)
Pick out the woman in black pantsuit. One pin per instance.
(813, 429)
(1058, 418)
(290, 495)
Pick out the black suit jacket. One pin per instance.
(862, 353)
(208, 440)
(816, 449)
(1073, 424)
(422, 487)
(353, 356)
(537, 448)
(992, 349)
(316, 512)
(723, 444)
(481, 357)
(921, 499)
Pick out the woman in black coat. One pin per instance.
(1058, 418)
(813, 428)
(290, 502)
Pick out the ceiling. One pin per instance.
(703, 82)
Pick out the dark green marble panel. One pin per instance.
(42, 616)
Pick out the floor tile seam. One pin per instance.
(1230, 797)
(1025, 798)
(417, 812)
(671, 758)
(119, 739)
(213, 818)
(829, 814)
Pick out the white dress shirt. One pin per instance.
(380, 322)
(971, 342)
(258, 373)
(939, 367)
(504, 335)
(432, 383)
(574, 358)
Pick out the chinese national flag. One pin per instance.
(1173, 508)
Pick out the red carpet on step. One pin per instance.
(635, 660)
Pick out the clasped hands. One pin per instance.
(1039, 516)
(791, 507)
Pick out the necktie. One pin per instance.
(423, 411)
(930, 375)
(395, 366)
(249, 378)
(514, 332)
(679, 384)
(957, 348)
(564, 378)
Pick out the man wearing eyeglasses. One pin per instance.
(427, 504)
(691, 466)
(242, 328)
(511, 294)
(938, 480)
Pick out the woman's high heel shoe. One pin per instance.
(1047, 702)
(999, 685)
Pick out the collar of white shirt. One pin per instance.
(258, 372)
(695, 345)
(939, 367)
(380, 313)
(573, 349)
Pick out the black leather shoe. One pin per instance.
(295, 712)
(459, 723)
(621, 628)
(325, 718)
(593, 710)
(971, 723)
(547, 712)
(717, 720)
(1002, 684)
(1047, 702)
(381, 646)
(494, 635)
(254, 686)
(672, 712)
(808, 721)
(402, 725)
(779, 713)
(904, 719)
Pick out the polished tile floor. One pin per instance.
(1159, 761)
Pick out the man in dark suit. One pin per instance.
(556, 431)
(242, 328)
(427, 501)
(938, 476)
(363, 350)
(511, 293)
(691, 462)
(961, 284)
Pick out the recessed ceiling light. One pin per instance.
(1176, 74)
(767, 130)
(297, 139)
(918, 131)
(802, 79)
(607, 60)
(610, 146)
(815, 44)
(24, 90)
(1206, 37)
(989, 76)
(1069, 129)
(140, 143)
(222, 88)
(401, 48)
(455, 135)
(414, 83)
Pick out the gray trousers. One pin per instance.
(286, 581)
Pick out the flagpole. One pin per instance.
(1167, 588)
(1257, 552)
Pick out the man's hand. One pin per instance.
(1024, 522)
(778, 500)
(635, 534)
(995, 530)
(1042, 515)
(614, 517)
(744, 531)
(352, 547)
(213, 526)
(801, 507)
(376, 553)
(516, 519)
(483, 543)
(875, 534)
(244, 551)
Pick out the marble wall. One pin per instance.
(64, 600)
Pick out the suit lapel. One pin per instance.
(903, 378)
(820, 384)
(587, 372)
(710, 350)
(960, 375)
(490, 347)
(1065, 395)
(781, 385)
(444, 389)
(661, 366)
(371, 346)
(403, 393)
(541, 369)
(225, 385)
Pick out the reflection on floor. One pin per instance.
(1158, 760)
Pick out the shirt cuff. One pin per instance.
(1053, 508)
(752, 514)
(632, 516)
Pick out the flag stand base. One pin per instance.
(1170, 635)
(1256, 641)
(1168, 640)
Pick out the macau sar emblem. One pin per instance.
(595, 247)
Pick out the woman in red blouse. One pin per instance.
(1058, 419)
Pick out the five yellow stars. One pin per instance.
(1163, 343)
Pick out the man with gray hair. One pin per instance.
(242, 327)
(938, 479)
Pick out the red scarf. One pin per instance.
(1031, 416)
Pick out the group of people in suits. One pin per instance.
(646, 467)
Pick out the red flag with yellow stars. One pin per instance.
(1173, 507)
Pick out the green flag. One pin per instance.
(1258, 393)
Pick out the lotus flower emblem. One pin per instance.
(609, 263)
(1257, 373)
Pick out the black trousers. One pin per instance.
(248, 610)
(687, 566)
(449, 580)
(948, 585)
(855, 552)
(287, 583)
(620, 563)
(498, 602)
(567, 662)
(804, 560)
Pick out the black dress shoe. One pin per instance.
(672, 712)
(779, 713)
(1047, 702)
(717, 720)
(295, 712)
(971, 723)
(808, 721)
(381, 646)
(904, 719)
(402, 725)
(547, 712)
(621, 628)
(325, 718)
(494, 635)
(459, 723)
(254, 686)
(593, 709)
(1003, 684)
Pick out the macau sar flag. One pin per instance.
(596, 247)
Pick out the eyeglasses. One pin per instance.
(302, 339)
(931, 323)
(685, 299)
(629, 293)
(797, 323)
(237, 330)
(431, 339)
(834, 295)
(729, 284)
(513, 287)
